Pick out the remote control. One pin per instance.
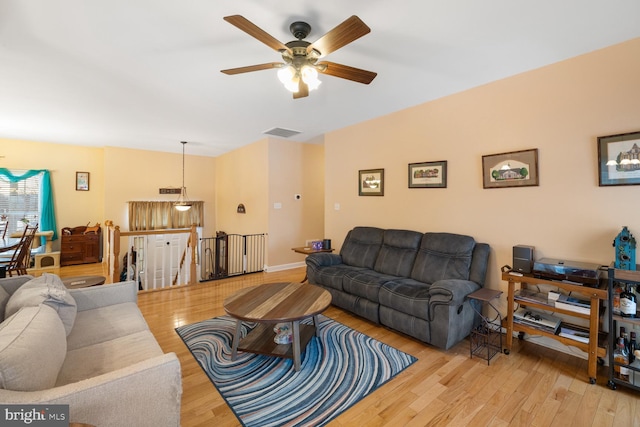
(515, 273)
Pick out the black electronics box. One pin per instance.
(580, 273)
(523, 259)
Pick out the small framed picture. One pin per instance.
(619, 159)
(371, 182)
(513, 169)
(428, 175)
(82, 181)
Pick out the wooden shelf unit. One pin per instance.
(627, 278)
(597, 345)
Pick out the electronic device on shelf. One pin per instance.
(537, 319)
(523, 258)
(576, 272)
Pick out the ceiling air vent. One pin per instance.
(283, 133)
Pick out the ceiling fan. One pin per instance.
(300, 68)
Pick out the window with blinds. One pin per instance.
(20, 201)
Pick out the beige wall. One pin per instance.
(73, 208)
(137, 175)
(262, 174)
(294, 168)
(116, 177)
(560, 109)
(242, 177)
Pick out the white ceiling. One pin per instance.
(146, 73)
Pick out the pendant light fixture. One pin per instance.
(183, 203)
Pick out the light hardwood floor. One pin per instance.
(533, 386)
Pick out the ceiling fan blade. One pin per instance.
(346, 72)
(248, 69)
(351, 29)
(303, 90)
(254, 31)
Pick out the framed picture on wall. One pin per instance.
(513, 169)
(619, 159)
(371, 182)
(82, 181)
(428, 175)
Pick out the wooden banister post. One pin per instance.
(194, 244)
(116, 254)
(109, 226)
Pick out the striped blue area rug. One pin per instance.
(338, 368)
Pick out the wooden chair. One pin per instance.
(21, 258)
(4, 225)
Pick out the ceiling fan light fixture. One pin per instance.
(310, 77)
(183, 203)
(288, 76)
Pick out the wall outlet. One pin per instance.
(336, 206)
(277, 205)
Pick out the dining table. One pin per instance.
(9, 243)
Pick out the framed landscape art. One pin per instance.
(371, 182)
(619, 159)
(428, 175)
(513, 169)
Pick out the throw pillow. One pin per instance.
(47, 289)
(33, 346)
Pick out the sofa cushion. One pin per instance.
(107, 356)
(361, 247)
(332, 276)
(4, 297)
(365, 283)
(105, 323)
(443, 256)
(33, 346)
(407, 296)
(47, 289)
(398, 252)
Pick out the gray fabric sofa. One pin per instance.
(413, 282)
(88, 348)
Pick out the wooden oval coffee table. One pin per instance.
(276, 303)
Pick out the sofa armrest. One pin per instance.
(451, 291)
(323, 259)
(11, 284)
(105, 295)
(147, 393)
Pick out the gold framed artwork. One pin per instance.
(512, 169)
(428, 175)
(619, 159)
(371, 182)
(82, 181)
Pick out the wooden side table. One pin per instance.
(307, 250)
(485, 340)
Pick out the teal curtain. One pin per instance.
(47, 214)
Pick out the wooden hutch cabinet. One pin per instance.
(81, 246)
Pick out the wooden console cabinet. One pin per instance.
(596, 348)
(79, 246)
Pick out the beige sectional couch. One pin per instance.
(89, 348)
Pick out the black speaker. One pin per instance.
(523, 258)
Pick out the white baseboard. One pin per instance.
(282, 267)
